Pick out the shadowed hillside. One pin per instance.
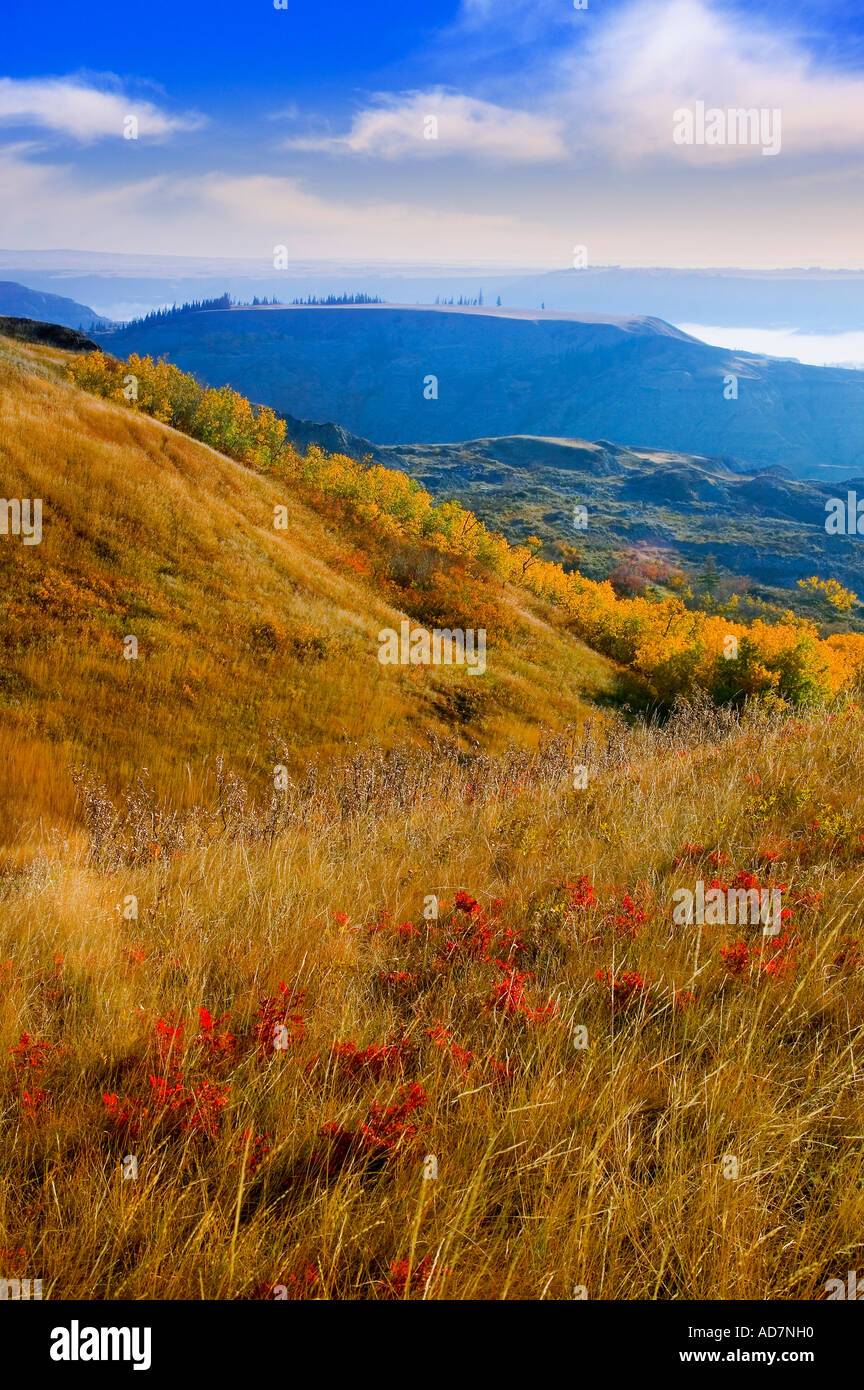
(636, 381)
(18, 301)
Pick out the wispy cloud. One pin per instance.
(84, 111)
(648, 60)
(441, 123)
(264, 211)
(247, 215)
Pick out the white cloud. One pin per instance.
(399, 125)
(817, 349)
(265, 211)
(82, 111)
(650, 59)
(607, 85)
(216, 214)
(805, 221)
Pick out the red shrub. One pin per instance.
(256, 1151)
(629, 918)
(171, 1106)
(471, 932)
(387, 1128)
(30, 1058)
(849, 956)
(213, 1044)
(125, 1117)
(509, 995)
(441, 1038)
(689, 853)
(463, 902)
(581, 893)
(34, 1103)
(167, 1039)
(402, 981)
(627, 990)
(780, 961)
(405, 1280)
(277, 1027)
(376, 1060)
(735, 957)
(386, 1131)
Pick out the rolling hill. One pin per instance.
(50, 334)
(765, 525)
(17, 301)
(242, 630)
(636, 381)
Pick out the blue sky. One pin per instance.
(309, 127)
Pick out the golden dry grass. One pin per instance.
(559, 1166)
(240, 627)
(601, 1167)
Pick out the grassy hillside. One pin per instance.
(440, 558)
(248, 636)
(281, 1039)
(419, 1021)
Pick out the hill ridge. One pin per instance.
(441, 375)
